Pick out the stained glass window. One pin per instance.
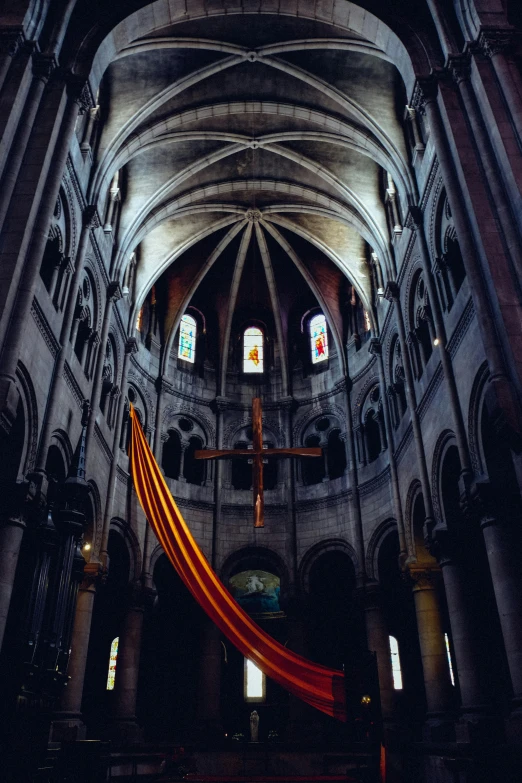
(187, 339)
(255, 682)
(318, 339)
(448, 653)
(111, 676)
(396, 664)
(139, 320)
(253, 350)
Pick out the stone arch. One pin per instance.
(265, 556)
(313, 554)
(445, 440)
(95, 497)
(30, 406)
(476, 402)
(60, 439)
(374, 544)
(123, 529)
(412, 494)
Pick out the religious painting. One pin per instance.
(318, 339)
(257, 592)
(187, 339)
(253, 350)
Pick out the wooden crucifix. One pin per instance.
(257, 454)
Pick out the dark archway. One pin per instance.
(313, 470)
(194, 469)
(171, 455)
(336, 455)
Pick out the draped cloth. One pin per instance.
(317, 685)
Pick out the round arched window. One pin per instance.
(253, 339)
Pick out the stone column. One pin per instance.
(18, 315)
(435, 667)
(125, 726)
(11, 534)
(504, 565)
(210, 725)
(131, 346)
(113, 294)
(415, 222)
(11, 39)
(475, 721)
(392, 294)
(68, 724)
(428, 89)
(496, 44)
(379, 643)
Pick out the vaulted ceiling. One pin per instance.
(232, 130)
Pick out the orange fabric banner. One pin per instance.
(317, 685)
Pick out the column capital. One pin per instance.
(414, 218)
(423, 578)
(90, 217)
(392, 292)
(79, 91)
(93, 574)
(131, 345)
(113, 291)
(459, 67)
(495, 40)
(375, 347)
(44, 65)
(425, 90)
(11, 39)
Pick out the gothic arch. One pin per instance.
(312, 555)
(374, 544)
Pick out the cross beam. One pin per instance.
(257, 454)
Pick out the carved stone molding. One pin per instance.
(423, 578)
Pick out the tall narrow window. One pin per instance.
(111, 675)
(396, 664)
(187, 339)
(448, 653)
(255, 682)
(318, 339)
(253, 350)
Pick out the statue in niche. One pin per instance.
(254, 726)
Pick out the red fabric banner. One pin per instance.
(317, 685)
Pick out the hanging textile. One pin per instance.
(317, 685)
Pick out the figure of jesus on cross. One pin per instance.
(257, 454)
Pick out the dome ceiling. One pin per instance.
(233, 133)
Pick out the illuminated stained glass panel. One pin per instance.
(318, 339)
(187, 339)
(111, 676)
(253, 350)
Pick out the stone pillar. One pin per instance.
(415, 222)
(11, 534)
(379, 643)
(113, 294)
(125, 726)
(435, 667)
(131, 346)
(210, 725)
(68, 724)
(475, 721)
(428, 90)
(496, 44)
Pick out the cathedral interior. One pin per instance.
(313, 203)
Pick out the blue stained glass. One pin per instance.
(187, 339)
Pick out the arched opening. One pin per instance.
(373, 436)
(170, 660)
(107, 623)
(193, 469)
(171, 455)
(313, 470)
(56, 472)
(399, 614)
(241, 470)
(335, 455)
